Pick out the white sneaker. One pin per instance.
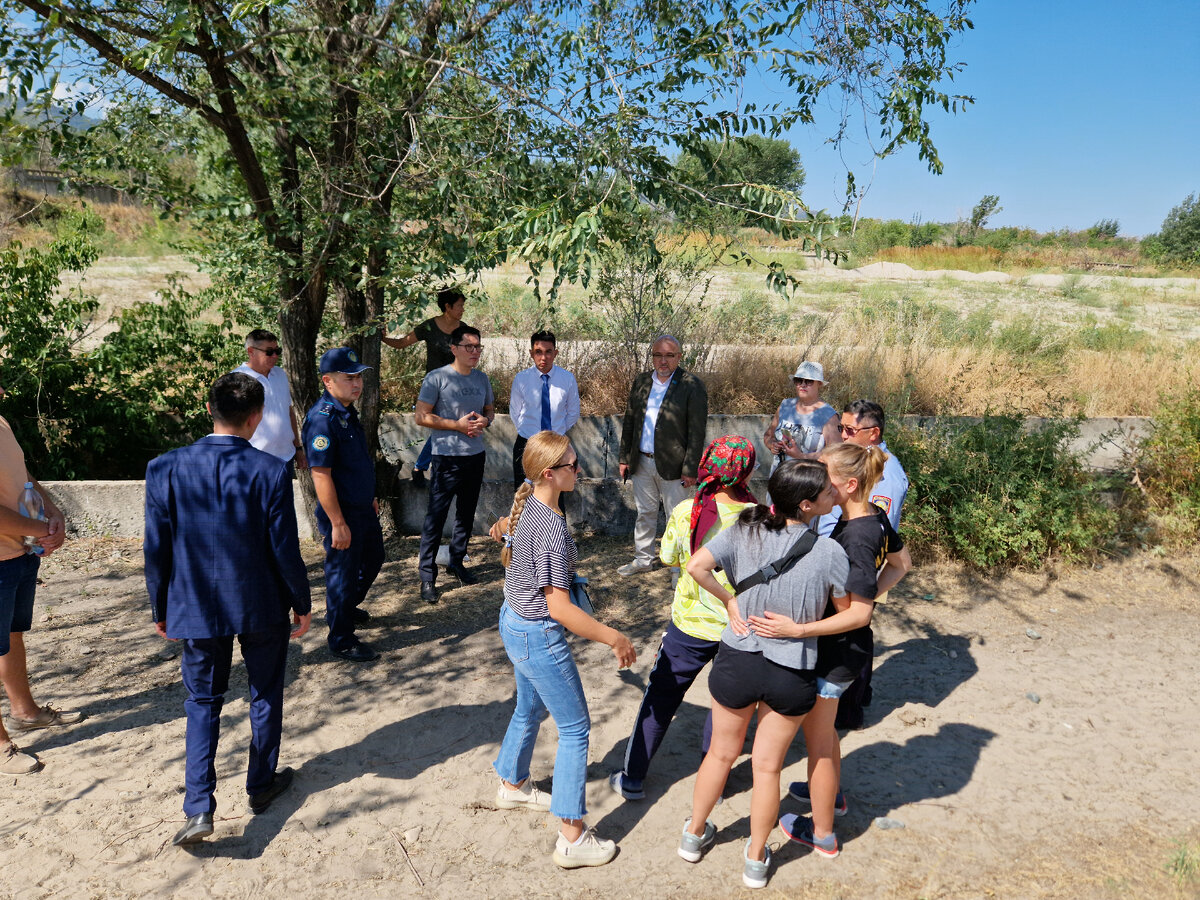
(589, 850)
(526, 796)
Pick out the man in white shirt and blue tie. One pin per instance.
(544, 398)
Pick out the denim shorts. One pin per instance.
(831, 690)
(18, 582)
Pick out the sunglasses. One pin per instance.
(274, 351)
(804, 382)
(570, 465)
(851, 431)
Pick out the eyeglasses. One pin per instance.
(471, 348)
(570, 465)
(851, 431)
(664, 355)
(274, 351)
(804, 382)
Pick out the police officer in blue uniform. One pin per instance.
(343, 475)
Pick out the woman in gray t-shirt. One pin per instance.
(771, 675)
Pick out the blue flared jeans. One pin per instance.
(547, 681)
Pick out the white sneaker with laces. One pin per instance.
(589, 850)
(525, 797)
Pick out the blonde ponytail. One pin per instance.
(514, 517)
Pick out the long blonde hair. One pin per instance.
(542, 451)
(854, 461)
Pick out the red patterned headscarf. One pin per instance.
(726, 464)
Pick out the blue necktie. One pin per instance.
(545, 403)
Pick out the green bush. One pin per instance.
(1168, 467)
(992, 494)
(104, 412)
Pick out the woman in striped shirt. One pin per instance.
(540, 560)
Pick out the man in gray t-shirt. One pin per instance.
(800, 593)
(456, 403)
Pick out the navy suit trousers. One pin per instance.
(205, 664)
(454, 478)
(349, 573)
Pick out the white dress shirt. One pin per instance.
(525, 401)
(658, 390)
(274, 434)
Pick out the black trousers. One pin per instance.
(518, 458)
(452, 478)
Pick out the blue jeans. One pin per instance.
(547, 680)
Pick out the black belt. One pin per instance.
(647, 455)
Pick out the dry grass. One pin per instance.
(1018, 259)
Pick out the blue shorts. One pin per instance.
(831, 690)
(18, 582)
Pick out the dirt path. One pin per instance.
(1035, 736)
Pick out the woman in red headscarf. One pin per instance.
(697, 617)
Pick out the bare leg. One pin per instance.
(771, 741)
(824, 763)
(729, 733)
(571, 829)
(15, 676)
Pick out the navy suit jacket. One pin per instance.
(222, 554)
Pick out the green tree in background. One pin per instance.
(722, 170)
(1178, 243)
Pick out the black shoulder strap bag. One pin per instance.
(781, 565)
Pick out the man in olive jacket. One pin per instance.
(662, 438)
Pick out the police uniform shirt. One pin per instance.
(334, 438)
(888, 495)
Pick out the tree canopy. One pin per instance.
(351, 153)
(725, 168)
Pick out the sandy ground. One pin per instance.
(1035, 735)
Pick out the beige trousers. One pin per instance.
(648, 491)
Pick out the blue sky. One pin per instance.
(1084, 110)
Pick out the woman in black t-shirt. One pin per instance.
(435, 333)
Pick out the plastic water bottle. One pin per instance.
(32, 507)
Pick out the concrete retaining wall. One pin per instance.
(601, 503)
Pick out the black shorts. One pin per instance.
(841, 657)
(739, 679)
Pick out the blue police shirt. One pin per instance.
(888, 495)
(334, 438)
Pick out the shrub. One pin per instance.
(101, 413)
(993, 494)
(1167, 466)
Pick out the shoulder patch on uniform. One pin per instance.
(884, 503)
(320, 442)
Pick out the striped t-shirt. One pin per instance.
(543, 555)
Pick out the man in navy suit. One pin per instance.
(223, 559)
